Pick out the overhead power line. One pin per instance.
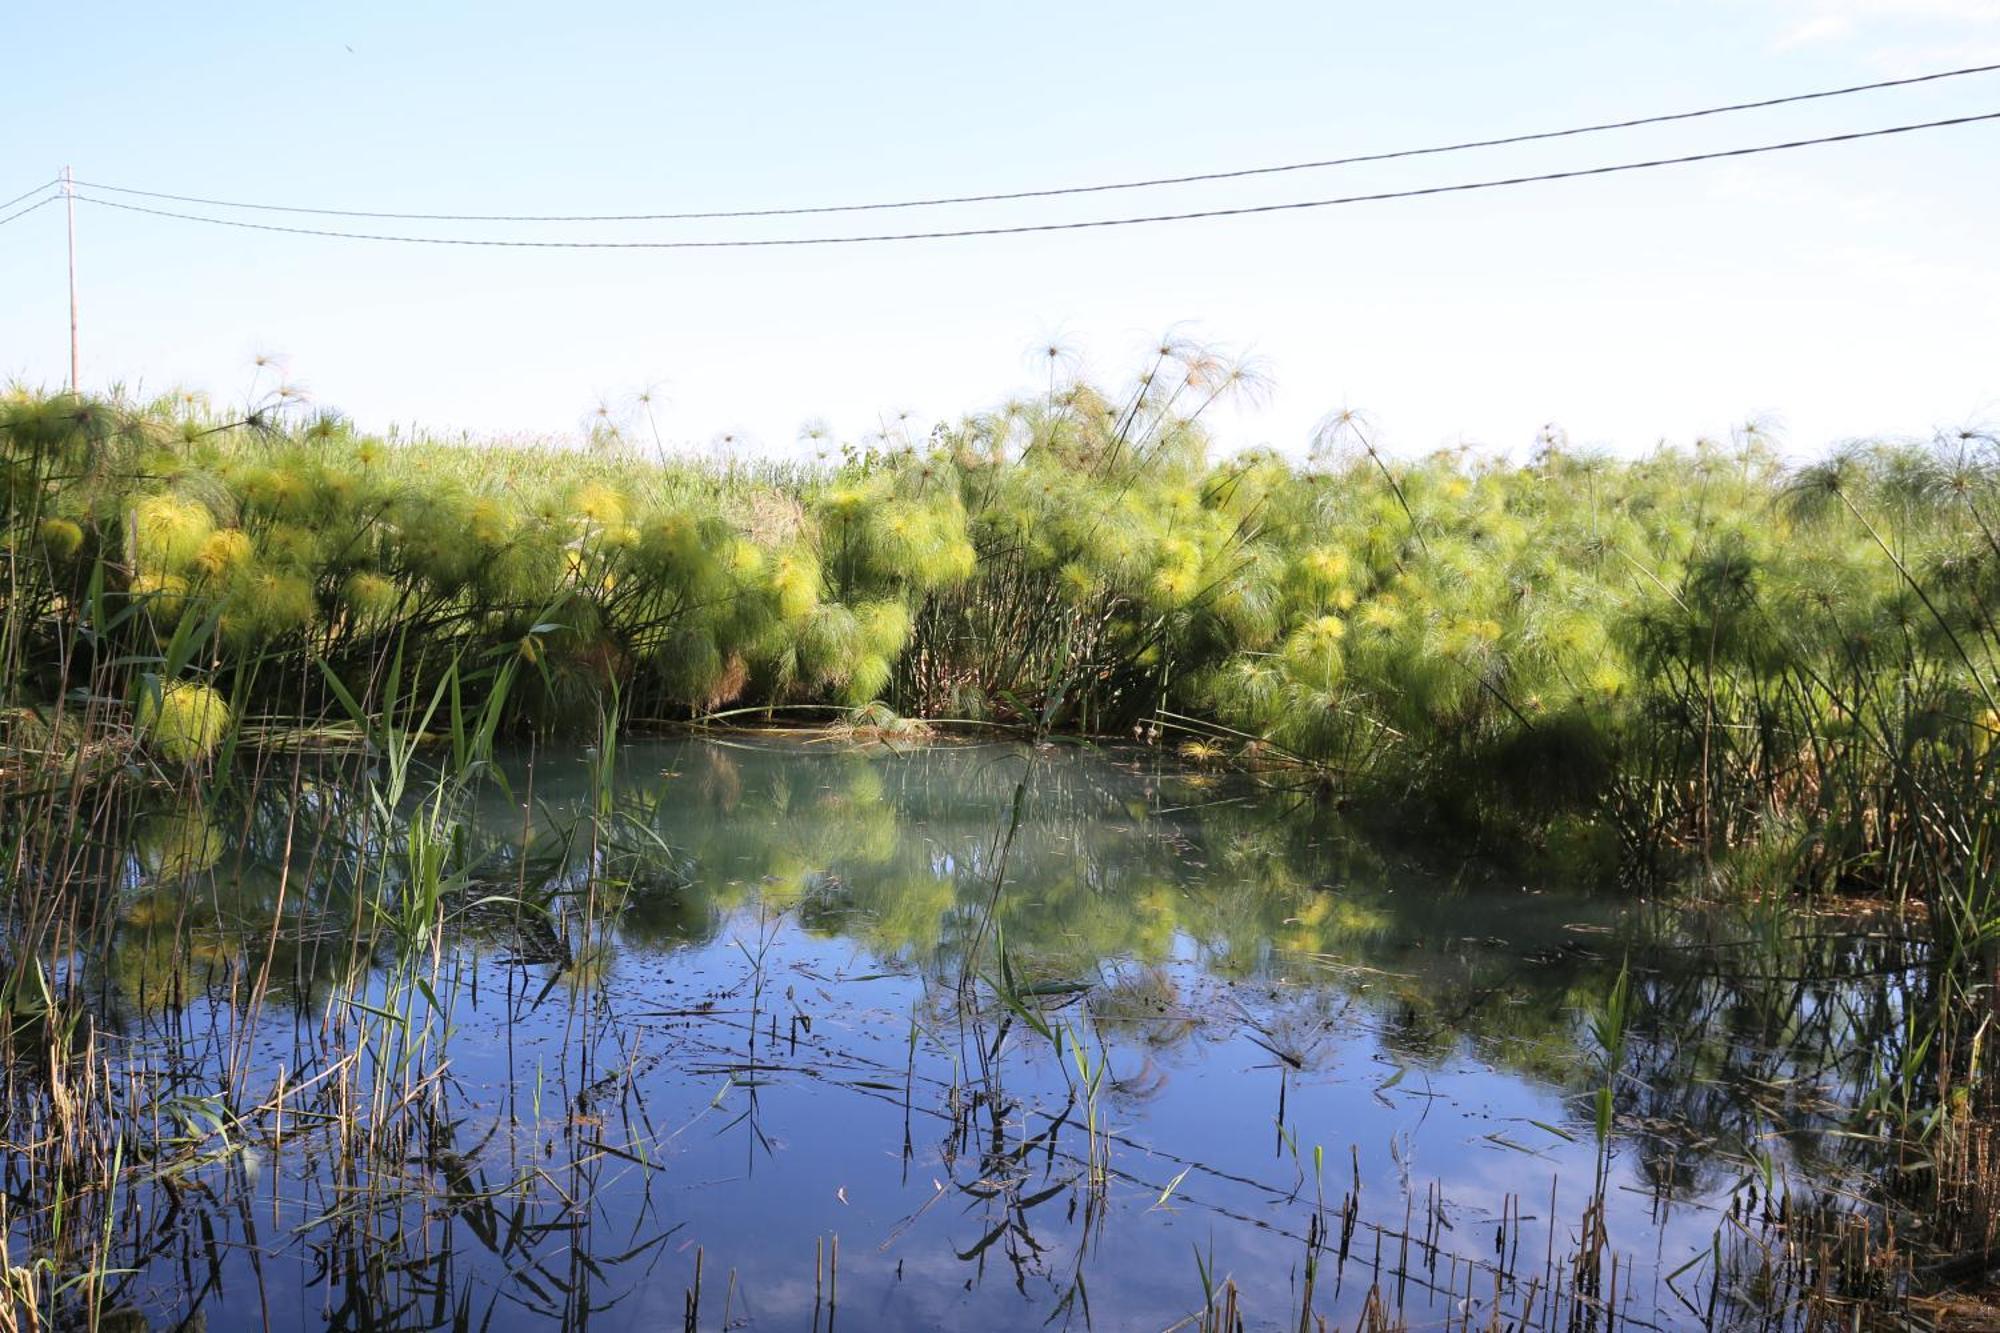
(29, 194)
(29, 209)
(1085, 225)
(1197, 178)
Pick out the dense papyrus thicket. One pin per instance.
(1697, 653)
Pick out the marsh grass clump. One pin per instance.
(182, 720)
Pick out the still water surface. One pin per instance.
(1241, 1043)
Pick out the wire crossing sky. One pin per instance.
(1835, 291)
(1052, 192)
(1247, 210)
(23, 212)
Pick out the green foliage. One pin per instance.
(1680, 648)
(182, 720)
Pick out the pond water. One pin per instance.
(954, 1037)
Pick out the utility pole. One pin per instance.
(69, 202)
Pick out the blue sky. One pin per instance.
(1837, 291)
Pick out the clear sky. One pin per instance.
(1839, 291)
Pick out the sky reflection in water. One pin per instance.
(769, 1051)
